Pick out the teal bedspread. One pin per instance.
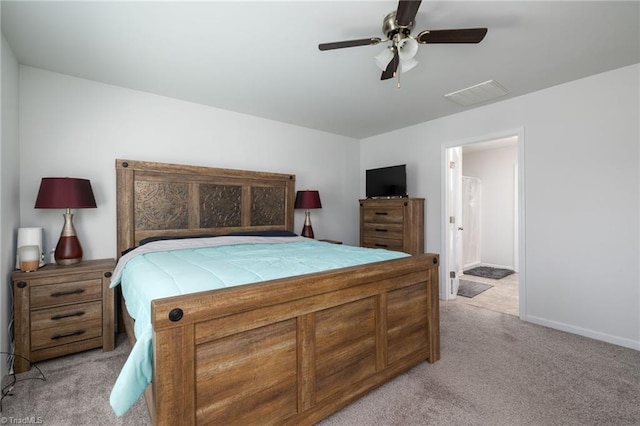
(171, 268)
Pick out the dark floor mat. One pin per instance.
(472, 288)
(489, 272)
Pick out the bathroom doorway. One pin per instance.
(483, 223)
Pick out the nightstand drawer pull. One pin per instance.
(382, 213)
(381, 230)
(74, 314)
(62, 336)
(67, 293)
(380, 245)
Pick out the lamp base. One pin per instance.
(68, 251)
(307, 230)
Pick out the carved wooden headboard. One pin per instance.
(157, 199)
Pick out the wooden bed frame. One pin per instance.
(287, 351)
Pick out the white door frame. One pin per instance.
(445, 282)
(453, 214)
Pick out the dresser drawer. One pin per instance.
(56, 317)
(63, 293)
(394, 224)
(384, 243)
(383, 215)
(383, 230)
(73, 332)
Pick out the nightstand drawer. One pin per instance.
(69, 292)
(64, 334)
(383, 230)
(57, 317)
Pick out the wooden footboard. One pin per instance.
(293, 350)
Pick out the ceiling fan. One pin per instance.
(397, 26)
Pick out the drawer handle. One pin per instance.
(381, 230)
(67, 293)
(74, 314)
(382, 213)
(380, 245)
(62, 336)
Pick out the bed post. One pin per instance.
(125, 206)
(434, 312)
(174, 375)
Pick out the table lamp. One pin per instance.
(307, 200)
(66, 193)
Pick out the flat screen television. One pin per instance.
(387, 182)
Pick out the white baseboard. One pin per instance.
(469, 266)
(592, 334)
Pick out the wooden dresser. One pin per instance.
(394, 224)
(59, 310)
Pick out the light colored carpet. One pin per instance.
(495, 370)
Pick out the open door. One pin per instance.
(471, 200)
(454, 229)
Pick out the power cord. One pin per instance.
(6, 390)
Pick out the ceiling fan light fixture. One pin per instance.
(407, 48)
(407, 65)
(383, 58)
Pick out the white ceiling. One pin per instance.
(262, 58)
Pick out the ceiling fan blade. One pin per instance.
(407, 10)
(349, 43)
(392, 67)
(466, 35)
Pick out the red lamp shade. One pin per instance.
(307, 200)
(66, 193)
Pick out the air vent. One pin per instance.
(477, 94)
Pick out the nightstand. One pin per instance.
(60, 310)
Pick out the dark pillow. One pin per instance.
(271, 233)
(173, 237)
(127, 250)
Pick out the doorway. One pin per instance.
(483, 221)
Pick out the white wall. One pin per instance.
(75, 127)
(581, 163)
(581, 188)
(495, 168)
(9, 197)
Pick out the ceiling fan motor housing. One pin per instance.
(390, 26)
